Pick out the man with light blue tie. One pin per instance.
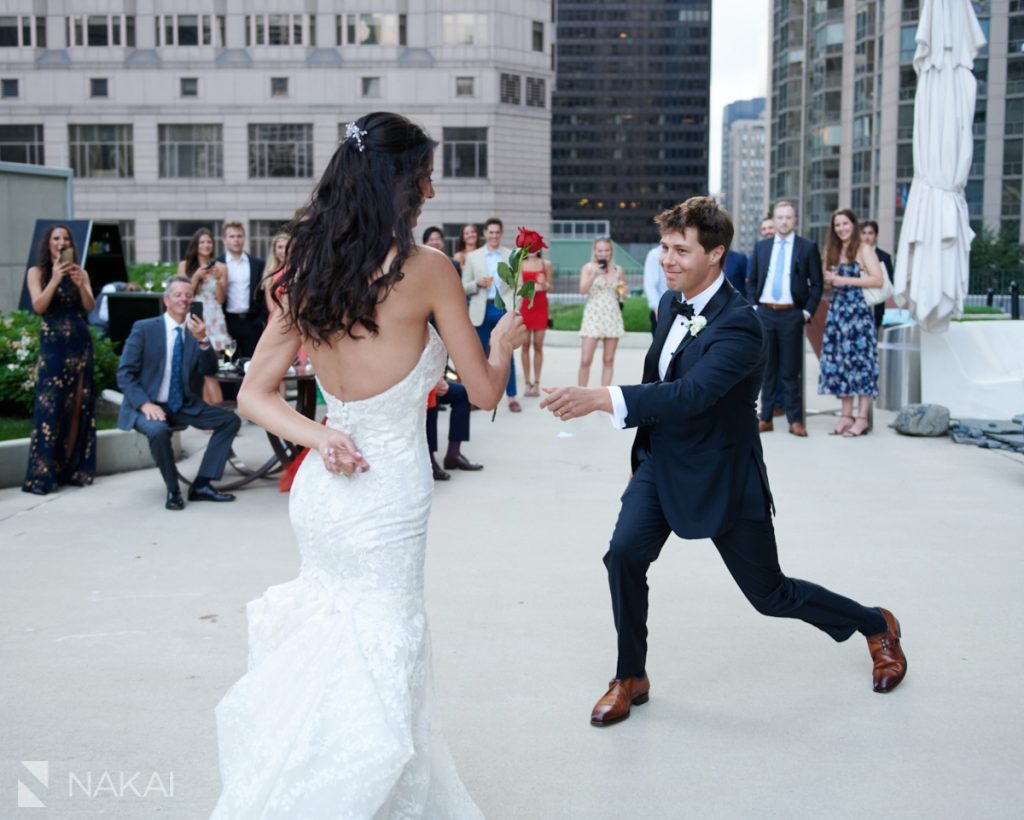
(786, 286)
(655, 283)
(481, 283)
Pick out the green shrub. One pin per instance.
(158, 272)
(636, 316)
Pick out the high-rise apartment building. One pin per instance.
(630, 125)
(744, 193)
(841, 102)
(178, 115)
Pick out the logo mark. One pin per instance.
(40, 778)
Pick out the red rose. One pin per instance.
(531, 240)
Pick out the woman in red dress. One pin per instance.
(535, 317)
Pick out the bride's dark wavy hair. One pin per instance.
(365, 202)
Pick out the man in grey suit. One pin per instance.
(158, 359)
(481, 282)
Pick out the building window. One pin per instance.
(191, 151)
(26, 30)
(371, 87)
(99, 87)
(101, 150)
(261, 231)
(464, 29)
(465, 87)
(280, 150)
(536, 92)
(511, 89)
(278, 86)
(278, 29)
(465, 153)
(371, 29)
(538, 35)
(22, 143)
(8, 88)
(126, 227)
(176, 234)
(101, 30)
(189, 29)
(189, 86)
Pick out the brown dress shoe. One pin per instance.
(460, 462)
(797, 429)
(765, 427)
(622, 693)
(890, 662)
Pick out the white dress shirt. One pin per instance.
(492, 258)
(239, 298)
(170, 328)
(787, 265)
(676, 334)
(655, 283)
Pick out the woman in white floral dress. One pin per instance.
(604, 284)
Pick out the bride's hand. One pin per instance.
(340, 454)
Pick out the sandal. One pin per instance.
(842, 428)
(514, 406)
(852, 432)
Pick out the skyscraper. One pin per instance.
(630, 111)
(744, 193)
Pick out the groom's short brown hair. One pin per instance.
(712, 221)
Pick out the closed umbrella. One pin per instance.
(932, 262)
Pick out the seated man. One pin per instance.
(158, 359)
(453, 394)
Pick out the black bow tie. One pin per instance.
(684, 309)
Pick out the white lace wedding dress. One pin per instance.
(335, 718)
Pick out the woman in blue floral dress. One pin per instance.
(849, 350)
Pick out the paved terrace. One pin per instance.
(122, 625)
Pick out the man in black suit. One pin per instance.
(159, 357)
(869, 237)
(786, 278)
(697, 461)
(245, 308)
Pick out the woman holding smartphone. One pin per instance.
(210, 285)
(604, 284)
(63, 448)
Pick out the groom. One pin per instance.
(697, 463)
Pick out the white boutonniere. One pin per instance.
(697, 324)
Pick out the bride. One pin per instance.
(335, 717)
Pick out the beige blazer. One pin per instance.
(475, 267)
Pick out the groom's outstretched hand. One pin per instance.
(574, 402)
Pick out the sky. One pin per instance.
(739, 65)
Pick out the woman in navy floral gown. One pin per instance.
(849, 350)
(63, 449)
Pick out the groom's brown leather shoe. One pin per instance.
(890, 662)
(622, 693)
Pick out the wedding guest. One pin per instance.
(154, 374)
(245, 308)
(210, 285)
(433, 237)
(604, 284)
(869, 237)
(99, 316)
(469, 241)
(535, 316)
(63, 445)
(453, 395)
(786, 287)
(275, 268)
(849, 350)
(735, 270)
(654, 283)
(481, 283)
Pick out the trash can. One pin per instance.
(899, 367)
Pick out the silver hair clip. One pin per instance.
(354, 132)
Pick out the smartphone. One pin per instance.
(68, 254)
(197, 308)
(210, 264)
(602, 264)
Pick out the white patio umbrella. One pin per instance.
(932, 262)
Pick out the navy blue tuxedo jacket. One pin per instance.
(735, 270)
(142, 367)
(698, 427)
(805, 281)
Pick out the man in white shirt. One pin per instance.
(654, 282)
(159, 357)
(481, 283)
(245, 309)
(698, 468)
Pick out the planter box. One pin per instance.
(117, 451)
